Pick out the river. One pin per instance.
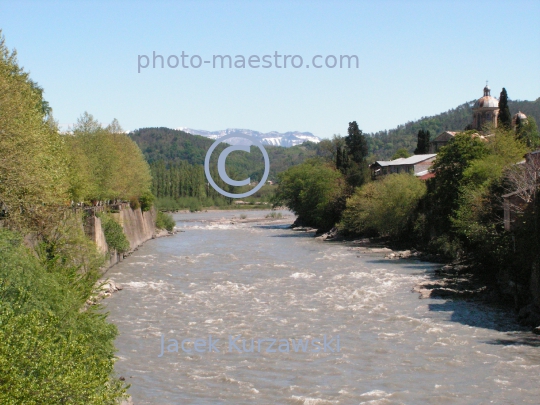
(234, 281)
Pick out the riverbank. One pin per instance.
(453, 280)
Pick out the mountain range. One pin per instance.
(273, 138)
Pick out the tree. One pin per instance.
(384, 207)
(422, 146)
(401, 153)
(354, 163)
(105, 164)
(527, 131)
(314, 191)
(356, 143)
(444, 189)
(33, 164)
(505, 119)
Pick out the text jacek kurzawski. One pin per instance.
(238, 344)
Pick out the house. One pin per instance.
(440, 141)
(418, 165)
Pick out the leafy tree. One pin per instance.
(422, 146)
(314, 191)
(478, 220)
(33, 164)
(527, 131)
(105, 164)
(385, 207)
(449, 167)
(505, 118)
(401, 153)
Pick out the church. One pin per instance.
(485, 113)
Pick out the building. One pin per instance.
(418, 165)
(519, 115)
(440, 141)
(485, 111)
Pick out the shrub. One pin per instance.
(385, 207)
(51, 352)
(134, 203)
(275, 215)
(243, 216)
(313, 191)
(165, 221)
(114, 234)
(146, 200)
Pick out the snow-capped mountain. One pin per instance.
(274, 138)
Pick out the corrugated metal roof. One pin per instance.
(406, 161)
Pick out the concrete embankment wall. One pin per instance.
(138, 227)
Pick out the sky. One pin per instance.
(416, 59)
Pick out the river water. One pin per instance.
(260, 280)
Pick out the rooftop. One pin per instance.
(406, 161)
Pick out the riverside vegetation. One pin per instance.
(53, 348)
(457, 215)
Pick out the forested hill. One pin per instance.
(172, 146)
(383, 144)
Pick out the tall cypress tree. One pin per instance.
(427, 140)
(422, 145)
(356, 143)
(354, 158)
(505, 119)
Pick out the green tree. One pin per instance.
(314, 191)
(354, 164)
(33, 164)
(422, 145)
(527, 131)
(449, 167)
(384, 207)
(105, 164)
(505, 118)
(401, 153)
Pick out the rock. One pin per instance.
(332, 234)
(380, 250)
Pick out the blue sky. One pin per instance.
(417, 58)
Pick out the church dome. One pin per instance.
(519, 115)
(487, 100)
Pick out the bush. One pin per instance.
(114, 234)
(314, 191)
(146, 200)
(51, 352)
(275, 215)
(134, 203)
(165, 221)
(385, 207)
